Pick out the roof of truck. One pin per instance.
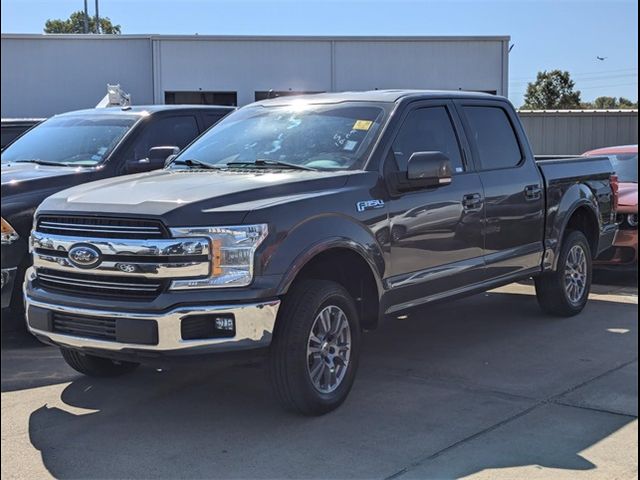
(389, 96)
(145, 109)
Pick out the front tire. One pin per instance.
(565, 292)
(314, 354)
(93, 366)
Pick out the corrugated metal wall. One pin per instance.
(573, 132)
(47, 74)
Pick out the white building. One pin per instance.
(47, 74)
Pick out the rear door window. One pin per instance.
(493, 134)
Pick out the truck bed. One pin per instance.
(572, 180)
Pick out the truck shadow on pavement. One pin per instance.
(455, 389)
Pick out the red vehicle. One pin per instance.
(625, 247)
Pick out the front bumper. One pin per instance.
(254, 324)
(624, 251)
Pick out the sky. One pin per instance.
(545, 34)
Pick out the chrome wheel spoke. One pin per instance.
(575, 274)
(328, 349)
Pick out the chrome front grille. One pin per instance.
(97, 285)
(127, 260)
(101, 227)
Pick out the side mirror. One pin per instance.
(425, 169)
(161, 153)
(155, 159)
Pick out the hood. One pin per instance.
(628, 194)
(192, 197)
(21, 177)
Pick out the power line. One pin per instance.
(591, 79)
(591, 87)
(610, 85)
(635, 69)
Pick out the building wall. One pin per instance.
(42, 76)
(241, 66)
(573, 132)
(46, 74)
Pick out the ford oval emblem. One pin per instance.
(84, 256)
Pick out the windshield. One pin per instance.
(73, 141)
(626, 166)
(323, 137)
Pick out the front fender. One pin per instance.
(317, 235)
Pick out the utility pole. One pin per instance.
(97, 19)
(86, 17)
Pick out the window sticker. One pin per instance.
(350, 145)
(362, 125)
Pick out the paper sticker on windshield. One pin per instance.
(350, 145)
(362, 125)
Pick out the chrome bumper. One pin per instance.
(254, 328)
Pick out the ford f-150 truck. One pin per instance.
(78, 147)
(294, 224)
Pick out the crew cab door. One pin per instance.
(436, 241)
(513, 188)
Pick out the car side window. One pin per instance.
(211, 119)
(167, 131)
(428, 129)
(492, 132)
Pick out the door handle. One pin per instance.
(472, 202)
(533, 192)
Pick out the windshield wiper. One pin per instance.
(42, 162)
(271, 163)
(192, 162)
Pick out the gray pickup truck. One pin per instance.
(295, 223)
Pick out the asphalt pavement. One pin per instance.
(483, 387)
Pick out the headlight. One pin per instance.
(9, 235)
(232, 255)
(632, 219)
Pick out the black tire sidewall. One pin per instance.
(299, 312)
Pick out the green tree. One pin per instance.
(626, 103)
(75, 24)
(604, 103)
(552, 90)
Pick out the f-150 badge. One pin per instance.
(369, 205)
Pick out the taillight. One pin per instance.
(615, 187)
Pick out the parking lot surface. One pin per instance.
(484, 387)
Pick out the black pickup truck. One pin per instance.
(77, 147)
(294, 224)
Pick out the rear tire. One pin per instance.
(565, 292)
(93, 366)
(313, 357)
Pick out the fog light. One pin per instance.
(202, 327)
(225, 323)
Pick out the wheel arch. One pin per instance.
(347, 263)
